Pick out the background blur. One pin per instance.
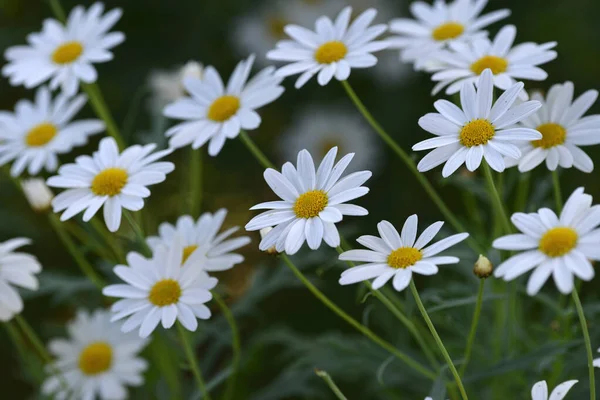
(286, 333)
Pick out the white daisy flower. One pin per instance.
(539, 391)
(202, 237)
(332, 50)
(16, 269)
(463, 63)
(319, 128)
(398, 255)
(312, 202)
(216, 113)
(38, 194)
(167, 86)
(38, 131)
(438, 25)
(65, 54)
(163, 289)
(97, 360)
(597, 360)
(109, 179)
(561, 247)
(481, 129)
(563, 127)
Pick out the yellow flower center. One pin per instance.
(331, 52)
(558, 241)
(404, 257)
(310, 204)
(446, 31)
(187, 252)
(40, 135)
(552, 135)
(496, 64)
(223, 108)
(67, 52)
(95, 358)
(109, 182)
(165, 292)
(276, 26)
(476, 132)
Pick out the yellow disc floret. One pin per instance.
(496, 64)
(476, 132)
(67, 52)
(95, 358)
(404, 257)
(109, 182)
(449, 30)
(552, 135)
(188, 251)
(330, 52)
(310, 204)
(165, 292)
(40, 135)
(223, 108)
(558, 241)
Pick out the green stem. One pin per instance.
(357, 325)
(473, 330)
(329, 381)
(438, 340)
(260, 156)
(108, 238)
(13, 333)
(99, 105)
(192, 361)
(235, 344)
(139, 233)
(522, 192)
(495, 197)
(195, 182)
(588, 343)
(557, 191)
(58, 10)
(33, 339)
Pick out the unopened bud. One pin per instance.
(263, 232)
(483, 267)
(38, 194)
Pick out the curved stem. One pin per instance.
(357, 325)
(260, 156)
(195, 182)
(557, 191)
(329, 381)
(495, 197)
(192, 361)
(438, 340)
(588, 343)
(473, 330)
(235, 344)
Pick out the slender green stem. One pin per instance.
(329, 381)
(192, 361)
(256, 152)
(139, 233)
(100, 107)
(557, 191)
(473, 330)
(195, 182)
(522, 192)
(588, 343)
(235, 344)
(109, 238)
(357, 325)
(33, 339)
(79, 258)
(438, 340)
(58, 11)
(495, 197)
(13, 333)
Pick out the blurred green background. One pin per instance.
(286, 333)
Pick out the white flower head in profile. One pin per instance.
(109, 179)
(539, 391)
(312, 202)
(398, 256)
(435, 26)
(167, 86)
(96, 361)
(564, 129)
(481, 129)
(333, 49)
(214, 112)
(558, 246)
(65, 54)
(37, 132)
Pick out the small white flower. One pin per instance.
(463, 63)
(438, 25)
(215, 112)
(539, 391)
(398, 255)
(167, 86)
(37, 193)
(38, 131)
(563, 127)
(561, 247)
(332, 49)
(16, 269)
(313, 202)
(65, 54)
(97, 360)
(202, 237)
(164, 288)
(481, 129)
(109, 179)
(597, 361)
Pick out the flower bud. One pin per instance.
(38, 194)
(483, 267)
(263, 232)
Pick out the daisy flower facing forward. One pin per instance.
(37, 132)
(435, 26)
(482, 129)
(398, 255)
(16, 269)
(561, 247)
(215, 112)
(463, 63)
(65, 54)
(332, 50)
(539, 391)
(313, 202)
(165, 288)
(109, 179)
(563, 127)
(202, 237)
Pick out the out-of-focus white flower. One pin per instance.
(167, 86)
(38, 194)
(539, 391)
